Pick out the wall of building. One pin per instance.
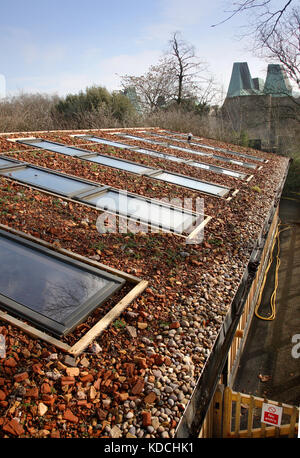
(272, 120)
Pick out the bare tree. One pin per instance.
(275, 30)
(180, 76)
(153, 88)
(187, 68)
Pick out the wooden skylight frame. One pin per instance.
(138, 286)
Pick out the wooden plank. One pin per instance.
(102, 324)
(237, 415)
(250, 417)
(268, 432)
(293, 420)
(218, 411)
(36, 333)
(227, 412)
(194, 233)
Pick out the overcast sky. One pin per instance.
(63, 46)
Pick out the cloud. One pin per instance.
(105, 72)
(177, 15)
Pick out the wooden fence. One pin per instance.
(238, 415)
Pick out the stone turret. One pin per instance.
(277, 83)
(241, 82)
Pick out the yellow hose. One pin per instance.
(274, 294)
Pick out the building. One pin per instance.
(267, 111)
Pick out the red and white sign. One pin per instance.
(271, 414)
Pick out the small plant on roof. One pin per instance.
(256, 189)
(119, 324)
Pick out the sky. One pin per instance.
(63, 46)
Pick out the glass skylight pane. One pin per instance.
(146, 211)
(48, 286)
(107, 142)
(217, 169)
(188, 150)
(119, 164)
(168, 157)
(51, 146)
(47, 180)
(233, 161)
(192, 183)
(6, 162)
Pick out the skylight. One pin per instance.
(192, 183)
(235, 153)
(144, 210)
(191, 151)
(48, 289)
(53, 146)
(50, 181)
(149, 211)
(170, 157)
(133, 167)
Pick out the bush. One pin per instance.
(96, 103)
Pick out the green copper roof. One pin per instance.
(277, 83)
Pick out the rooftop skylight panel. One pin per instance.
(147, 211)
(53, 146)
(4, 163)
(168, 157)
(192, 183)
(216, 169)
(48, 289)
(118, 163)
(199, 153)
(132, 137)
(104, 141)
(223, 150)
(50, 181)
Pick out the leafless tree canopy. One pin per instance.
(178, 77)
(275, 29)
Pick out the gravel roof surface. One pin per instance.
(138, 376)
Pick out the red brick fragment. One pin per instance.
(37, 368)
(67, 380)
(150, 398)
(13, 427)
(123, 396)
(45, 388)
(141, 362)
(10, 362)
(102, 414)
(20, 377)
(87, 378)
(175, 325)
(146, 418)
(2, 395)
(138, 387)
(69, 416)
(32, 393)
(159, 360)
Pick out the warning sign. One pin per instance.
(271, 414)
